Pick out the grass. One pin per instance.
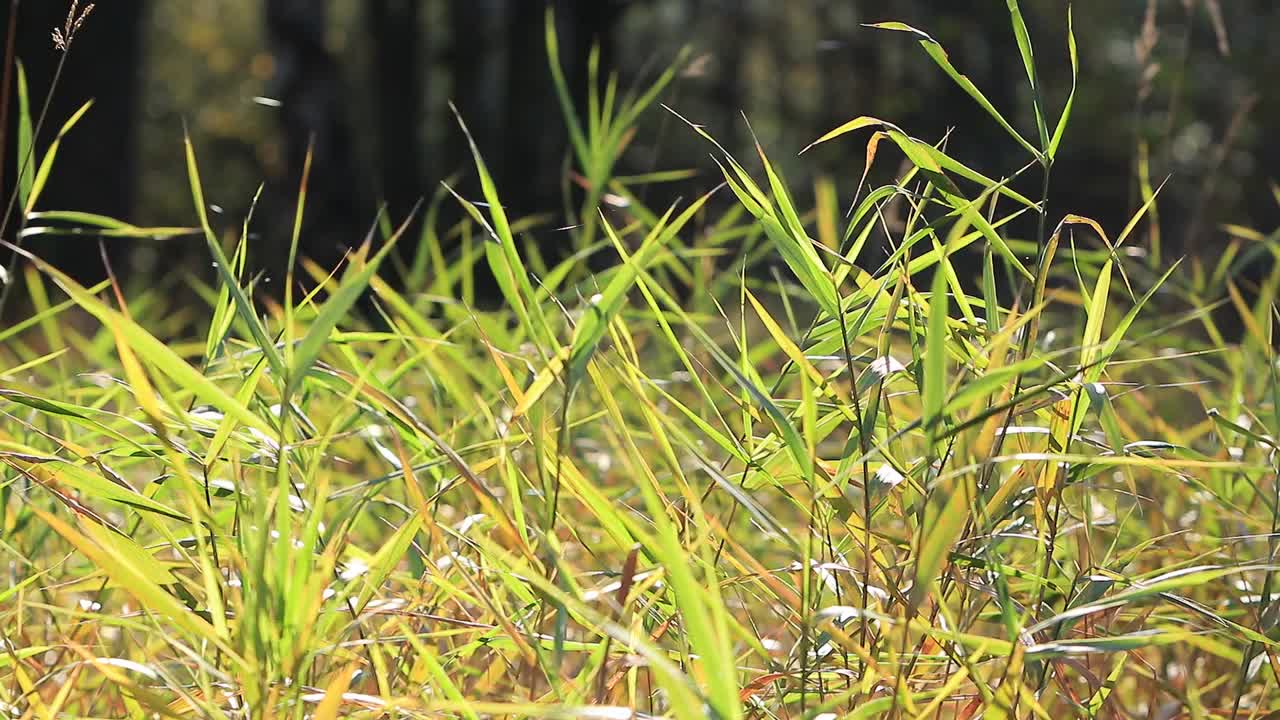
(841, 489)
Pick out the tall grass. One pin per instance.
(847, 489)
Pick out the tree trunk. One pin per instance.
(477, 69)
(308, 83)
(535, 152)
(399, 91)
(97, 162)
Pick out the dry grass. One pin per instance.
(849, 491)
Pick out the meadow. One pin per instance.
(728, 459)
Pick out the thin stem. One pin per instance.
(1267, 583)
(12, 265)
(1024, 349)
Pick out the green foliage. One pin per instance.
(842, 491)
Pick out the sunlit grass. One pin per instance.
(843, 489)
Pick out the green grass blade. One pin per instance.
(1065, 117)
(229, 281)
(1029, 64)
(155, 352)
(335, 309)
(46, 164)
(939, 55)
(563, 95)
(51, 472)
(26, 159)
(935, 367)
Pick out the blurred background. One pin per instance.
(1189, 80)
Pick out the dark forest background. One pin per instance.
(371, 80)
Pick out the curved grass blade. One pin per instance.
(1065, 117)
(939, 55)
(52, 472)
(137, 581)
(46, 164)
(145, 345)
(102, 226)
